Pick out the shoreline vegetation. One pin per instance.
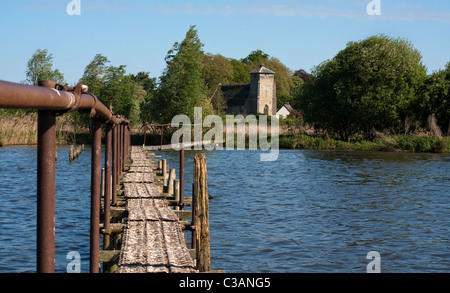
(22, 130)
(392, 143)
(373, 95)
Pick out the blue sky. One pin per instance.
(139, 33)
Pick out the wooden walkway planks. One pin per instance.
(153, 241)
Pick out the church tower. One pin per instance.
(263, 99)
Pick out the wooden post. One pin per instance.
(164, 171)
(176, 192)
(71, 153)
(172, 176)
(201, 213)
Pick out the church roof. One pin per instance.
(288, 107)
(236, 94)
(262, 69)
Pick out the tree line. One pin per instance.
(377, 84)
(192, 78)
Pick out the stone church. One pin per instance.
(257, 97)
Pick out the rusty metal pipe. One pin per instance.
(121, 149)
(95, 193)
(119, 161)
(23, 96)
(46, 166)
(107, 198)
(124, 131)
(114, 167)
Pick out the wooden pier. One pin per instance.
(153, 230)
(142, 219)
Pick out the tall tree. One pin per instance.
(217, 69)
(370, 84)
(435, 99)
(240, 72)
(283, 75)
(40, 67)
(144, 92)
(114, 87)
(301, 73)
(182, 86)
(256, 56)
(95, 74)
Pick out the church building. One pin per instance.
(257, 97)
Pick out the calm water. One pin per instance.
(308, 211)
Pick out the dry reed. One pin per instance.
(22, 130)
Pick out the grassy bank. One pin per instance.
(411, 143)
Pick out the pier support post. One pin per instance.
(171, 180)
(181, 199)
(46, 169)
(71, 156)
(107, 195)
(114, 166)
(201, 213)
(95, 194)
(164, 171)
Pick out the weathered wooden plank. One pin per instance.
(138, 177)
(153, 240)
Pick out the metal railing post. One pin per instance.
(46, 166)
(119, 155)
(114, 167)
(122, 141)
(107, 196)
(95, 194)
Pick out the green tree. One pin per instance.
(148, 83)
(113, 86)
(217, 69)
(240, 72)
(257, 57)
(283, 75)
(95, 74)
(301, 73)
(370, 84)
(40, 67)
(118, 91)
(295, 91)
(144, 92)
(435, 99)
(182, 86)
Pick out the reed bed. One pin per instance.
(22, 130)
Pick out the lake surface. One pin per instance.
(307, 212)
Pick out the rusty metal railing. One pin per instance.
(52, 99)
